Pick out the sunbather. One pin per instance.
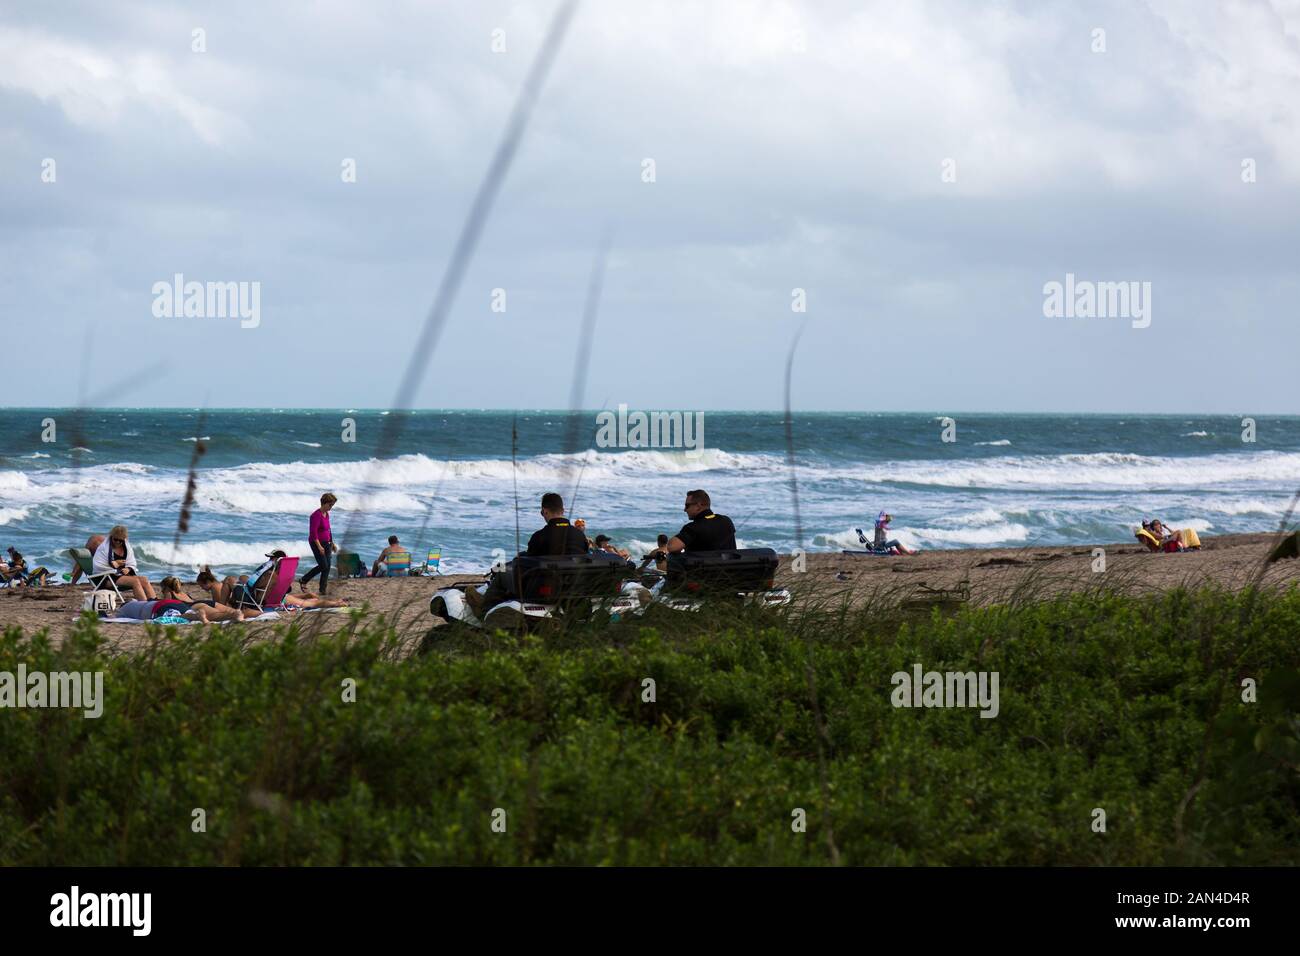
(15, 569)
(1159, 537)
(171, 608)
(92, 545)
(116, 556)
(219, 590)
(1165, 534)
(241, 594)
(171, 591)
(882, 533)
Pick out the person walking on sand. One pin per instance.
(322, 543)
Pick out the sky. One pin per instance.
(920, 170)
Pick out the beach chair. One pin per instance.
(398, 563)
(348, 564)
(279, 581)
(99, 582)
(1146, 538)
(432, 562)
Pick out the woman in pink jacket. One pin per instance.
(322, 542)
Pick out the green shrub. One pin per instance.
(1133, 705)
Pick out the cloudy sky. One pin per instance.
(795, 146)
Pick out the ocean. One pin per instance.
(449, 482)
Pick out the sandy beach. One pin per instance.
(995, 575)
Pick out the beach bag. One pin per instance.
(101, 602)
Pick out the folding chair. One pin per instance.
(432, 562)
(103, 581)
(347, 564)
(279, 581)
(398, 563)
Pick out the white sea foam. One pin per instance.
(1244, 506)
(14, 481)
(1195, 434)
(1098, 470)
(1000, 441)
(1004, 533)
(8, 515)
(217, 552)
(309, 444)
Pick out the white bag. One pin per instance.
(101, 602)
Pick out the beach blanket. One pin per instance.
(268, 616)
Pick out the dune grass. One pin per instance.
(1128, 704)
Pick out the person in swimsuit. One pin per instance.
(240, 595)
(171, 591)
(171, 608)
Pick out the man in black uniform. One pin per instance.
(705, 531)
(557, 538)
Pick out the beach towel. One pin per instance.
(101, 563)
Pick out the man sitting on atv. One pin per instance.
(705, 531)
(559, 537)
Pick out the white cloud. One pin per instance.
(96, 89)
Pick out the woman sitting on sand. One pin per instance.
(116, 556)
(882, 532)
(1169, 539)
